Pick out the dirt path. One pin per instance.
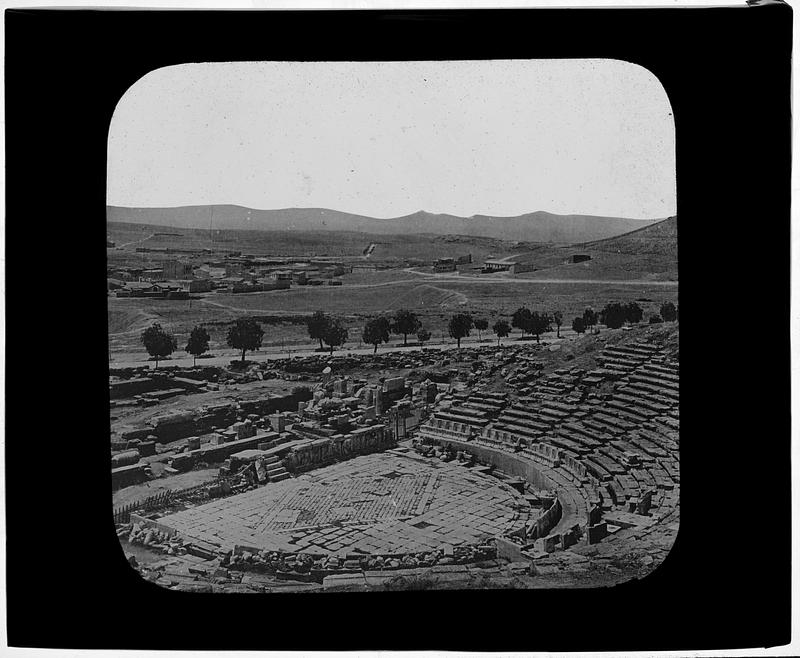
(506, 280)
(127, 244)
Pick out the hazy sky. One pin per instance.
(387, 139)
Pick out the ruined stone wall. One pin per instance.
(508, 463)
(362, 441)
(181, 425)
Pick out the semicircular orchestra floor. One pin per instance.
(375, 504)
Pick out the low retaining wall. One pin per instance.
(509, 463)
(547, 521)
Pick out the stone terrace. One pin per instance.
(386, 503)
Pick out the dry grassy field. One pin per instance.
(640, 266)
(434, 301)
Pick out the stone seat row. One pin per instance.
(616, 363)
(526, 419)
(660, 372)
(522, 431)
(654, 381)
(481, 407)
(462, 419)
(640, 403)
(649, 432)
(527, 414)
(649, 392)
(663, 369)
(588, 442)
(667, 422)
(631, 353)
(625, 410)
(466, 411)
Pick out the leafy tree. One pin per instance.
(158, 342)
(633, 313)
(656, 319)
(405, 322)
(459, 326)
(540, 322)
(589, 317)
(558, 320)
(423, 336)
(198, 342)
(501, 328)
(578, 325)
(335, 334)
(317, 324)
(376, 331)
(614, 315)
(669, 312)
(245, 334)
(481, 325)
(521, 319)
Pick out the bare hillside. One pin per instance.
(533, 227)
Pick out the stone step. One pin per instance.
(280, 477)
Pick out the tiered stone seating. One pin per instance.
(668, 388)
(596, 469)
(616, 453)
(646, 445)
(568, 444)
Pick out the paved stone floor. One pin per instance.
(381, 503)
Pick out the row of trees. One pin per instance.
(377, 330)
(614, 315)
(246, 334)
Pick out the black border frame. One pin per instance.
(726, 583)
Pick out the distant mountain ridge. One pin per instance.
(537, 226)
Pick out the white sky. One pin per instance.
(387, 139)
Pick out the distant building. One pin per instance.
(497, 265)
(278, 280)
(152, 274)
(123, 275)
(175, 269)
(282, 275)
(210, 271)
(196, 285)
(444, 265)
(505, 265)
(159, 290)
